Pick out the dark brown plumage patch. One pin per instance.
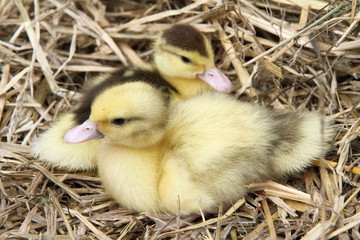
(286, 131)
(125, 75)
(186, 37)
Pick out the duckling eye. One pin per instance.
(118, 121)
(185, 59)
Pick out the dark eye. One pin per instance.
(118, 121)
(185, 59)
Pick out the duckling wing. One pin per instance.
(50, 147)
(303, 136)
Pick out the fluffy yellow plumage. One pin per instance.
(183, 57)
(159, 156)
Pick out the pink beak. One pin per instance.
(216, 79)
(82, 133)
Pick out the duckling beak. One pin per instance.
(216, 79)
(82, 133)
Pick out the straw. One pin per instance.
(299, 55)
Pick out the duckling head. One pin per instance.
(132, 114)
(183, 52)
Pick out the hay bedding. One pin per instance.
(286, 54)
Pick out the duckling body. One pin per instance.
(195, 153)
(216, 145)
(189, 70)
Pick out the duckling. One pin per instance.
(160, 156)
(183, 57)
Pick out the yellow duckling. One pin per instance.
(160, 156)
(183, 57)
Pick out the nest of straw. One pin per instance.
(278, 53)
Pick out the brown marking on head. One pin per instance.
(186, 37)
(125, 75)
